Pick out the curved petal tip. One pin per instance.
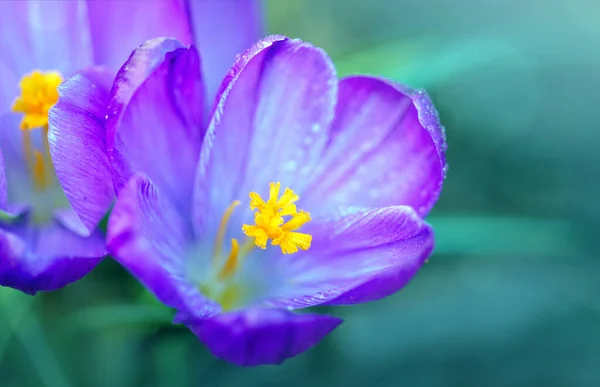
(262, 336)
(51, 265)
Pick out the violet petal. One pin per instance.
(158, 132)
(387, 148)
(3, 190)
(46, 258)
(147, 235)
(117, 27)
(45, 35)
(270, 124)
(383, 248)
(262, 336)
(78, 144)
(223, 29)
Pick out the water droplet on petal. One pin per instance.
(289, 166)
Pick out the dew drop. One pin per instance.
(308, 140)
(290, 166)
(445, 170)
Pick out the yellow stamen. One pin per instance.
(270, 224)
(28, 149)
(38, 94)
(230, 267)
(276, 219)
(223, 229)
(298, 220)
(39, 171)
(290, 242)
(237, 253)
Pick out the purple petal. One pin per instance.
(270, 123)
(370, 254)
(69, 219)
(78, 144)
(119, 26)
(46, 258)
(387, 148)
(141, 63)
(8, 211)
(3, 190)
(43, 34)
(17, 187)
(154, 124)
(11, 142)
(223, 29)
(147, 235)
(262, 336)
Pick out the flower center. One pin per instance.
(38, 94)
(270, 224)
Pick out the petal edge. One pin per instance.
(262, 336)
(77, 141)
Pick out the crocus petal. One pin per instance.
(8, 212)
(262, 336)
(223, 29)
(270, 124)
(3, 191)
(387, 148)
(148, 237)
(46, 258)
(376, 251)
(43, 34)
(155, 128)
(119, 26)
(69, 219)
(78, 144)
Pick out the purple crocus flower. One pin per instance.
(44, 245)
(303, 190)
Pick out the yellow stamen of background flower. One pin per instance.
(270, 223)
(40, 175)
(38, 94)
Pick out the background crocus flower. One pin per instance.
(44, 245)
(204, 220)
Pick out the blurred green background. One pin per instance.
(510, 296)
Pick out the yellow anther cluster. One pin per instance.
(270, 223)
(38, 94)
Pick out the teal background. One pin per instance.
(510, 296)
